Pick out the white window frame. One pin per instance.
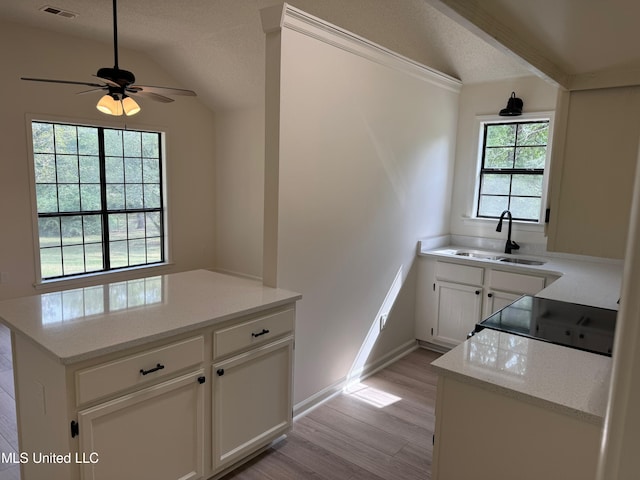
(481, 121)
(109, 275)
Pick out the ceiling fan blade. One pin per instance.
(162, 90)
(68, 82)
(92, 90)
(150, 95)
(108, 81)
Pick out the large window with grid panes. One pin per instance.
(99, 198)
(513, 160)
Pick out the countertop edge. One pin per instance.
(225, 298)
(514, 394)
(70, 360)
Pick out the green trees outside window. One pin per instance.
(99, 198)
(512, 169)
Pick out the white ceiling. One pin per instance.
(576, 43)
(216, 47)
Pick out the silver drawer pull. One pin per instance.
(159, 366)
(263, 332)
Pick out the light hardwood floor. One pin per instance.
(8, 428)
(380, 431)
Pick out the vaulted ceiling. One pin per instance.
(217, 46)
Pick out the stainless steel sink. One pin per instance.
(523, 261)
(495, 257)
(484, 256)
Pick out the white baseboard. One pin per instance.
(317, 399)
(433, 347)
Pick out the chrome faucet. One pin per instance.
(510, 245)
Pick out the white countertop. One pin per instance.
(563, 379)
(585, 280)
(78, 324)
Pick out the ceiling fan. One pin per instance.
(119, 85)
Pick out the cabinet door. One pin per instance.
(154, 433)
(497, 300)
(426, 306)
(459, 309)
(251, 400)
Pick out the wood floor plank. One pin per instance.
(8, 424)
(420, 457)
(397, 384)
(6, 383)
(382, 418)
(6, 365)
(328, 465)
(11, 473)
(416, 367)
(368, 458)
(361, 431)
(248, 471)
(6, 448)
(276, 466)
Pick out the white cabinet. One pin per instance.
(497, 300)
(505, 287)
(157, 432)
(459, 308)
(251, 400)
(528, 441)
(185, 408)
(252, 380)
(590, 207)
(453, 297)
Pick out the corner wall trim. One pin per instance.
(299, 21)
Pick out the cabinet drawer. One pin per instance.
(108, 378)
(516, 282)
(453, 272)
(253, 332)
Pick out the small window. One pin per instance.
(512, 169)
(99, 198)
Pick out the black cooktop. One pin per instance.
(569, 324)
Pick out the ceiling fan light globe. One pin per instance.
(109, 105)
(130, 106)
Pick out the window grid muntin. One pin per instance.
(103, 212)
(510, 172)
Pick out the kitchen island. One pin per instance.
(175, 376)
(513, 407)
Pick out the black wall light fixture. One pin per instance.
(514, 107)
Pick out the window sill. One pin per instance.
(517, 225)
(97, 278)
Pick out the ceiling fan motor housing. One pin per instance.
(116, 75)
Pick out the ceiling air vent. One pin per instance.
(58, 11)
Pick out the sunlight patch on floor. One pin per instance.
(372, 396)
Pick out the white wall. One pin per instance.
(239, 191)
(190, 148)
(489, 99)
(365, 170)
